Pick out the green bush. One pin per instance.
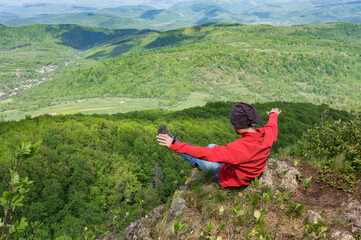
(337, 143)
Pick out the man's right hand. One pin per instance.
(164, 140)
(274, 110)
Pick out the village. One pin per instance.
(28, 83)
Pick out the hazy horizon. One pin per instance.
(115, 3)
(90, 3)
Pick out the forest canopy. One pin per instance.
(89, 164)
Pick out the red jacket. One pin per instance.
(244, 159)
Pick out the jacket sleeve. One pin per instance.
(220, 154)
(271, 127)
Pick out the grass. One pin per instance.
(234, 213)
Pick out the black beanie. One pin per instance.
(244, 115)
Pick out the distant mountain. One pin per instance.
(126, 11)
(38, 9)
(204, 12)
(307, 12)
(91, 19)
(187, 13)
(150, 14)
(75, 36)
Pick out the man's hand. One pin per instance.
(274, 110)
(164, 140)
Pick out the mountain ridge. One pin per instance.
(185, 14)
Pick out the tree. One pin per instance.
(19, 186)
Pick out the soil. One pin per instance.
(6, 101)
(328, 197)
(322, 193)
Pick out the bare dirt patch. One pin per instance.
(198, 94)
(9, 111)
(328, 195)
(6, 101)
(330, 192)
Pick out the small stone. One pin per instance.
(353, 214)
(289, 181)
(313, 217)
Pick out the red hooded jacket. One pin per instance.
(243, 160)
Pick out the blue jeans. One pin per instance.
(213, 167)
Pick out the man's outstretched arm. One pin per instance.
(271, 127)
(214, 154)
(274, 110)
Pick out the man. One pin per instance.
(238, 163)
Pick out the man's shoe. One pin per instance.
(163, 130)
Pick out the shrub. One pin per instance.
(331, 141)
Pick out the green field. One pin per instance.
(105, 106)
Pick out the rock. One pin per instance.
(178, 204)
(289, 181)
(267, 178)
(181, 196)
(279, 173)
(353, 214)
(341, 235)
(140, 228)
(313, 217)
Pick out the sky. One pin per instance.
(116, 3)
(93, 3)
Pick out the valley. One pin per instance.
(226, 61)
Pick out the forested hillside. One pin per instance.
(99, 20)
(45, 66)
(75, 36)
(90, 167)
(308, 63)
(30, 55)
